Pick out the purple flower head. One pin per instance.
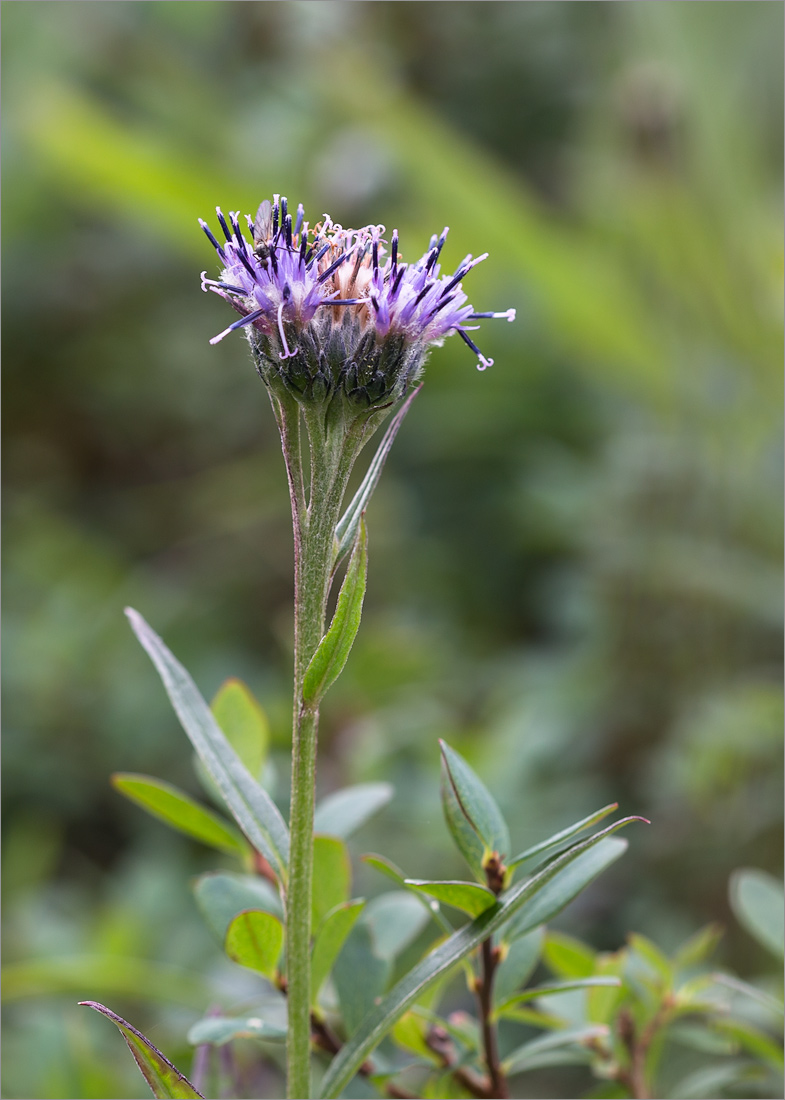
(327, 310)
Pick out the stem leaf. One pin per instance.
(534, 857)
(179, 810)
(221, 896)
(244, 722)
(346, 530)
(253, 809)
(472, 815)
(218, 1030)
(333, 650)
(470, 897)
(330, 938)
(536, 1053)
(542, 896)
(332, 877)
(164, 1079)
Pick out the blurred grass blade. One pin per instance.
(540, 898)
(470, 810)
(550, 988)
(108, 975)
(254, 939)
(531, 1054)
(254, 810)
(163, 1078)
(218, 1030)
(343, 812)
(333, 651)
(180, 811)
(470, 897)
(346, 530)
(243, 721)
(329, 940)
(533, 857)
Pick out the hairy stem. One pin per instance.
(332, 455)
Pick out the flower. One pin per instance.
(329, 311)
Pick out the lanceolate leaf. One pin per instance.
(243, 721)
(332, 876)
(329, 940)
(540, 898)
(163, 1078)
(472, 815)
(530, 1055)
(255, 939)
(333, 651)
(346, 530)
(550, 988)
(222, 1029)
(180, 811)
(470, 897)
(255, 812)
(343, 812)
(534, 857)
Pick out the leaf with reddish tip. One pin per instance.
(164, 1079)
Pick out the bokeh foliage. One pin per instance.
(574, 558)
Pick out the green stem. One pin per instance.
(333, 451)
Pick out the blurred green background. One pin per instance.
(575, 557)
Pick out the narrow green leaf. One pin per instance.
(550, 988)
(218, 1030)
(395, 920)
(544, 895)
(602, 1004)
(698, 947)
(164, 1079)
(333, 651)
(360, 976)
(329, 940)
(245, 724)
(410, 1033)
(254, 939)
(752, 1040)
(568, 957)
(221, 896)
(470, 810)
(738, 986)
(519, 962)
(253, 809)
(346, 531)
(534, 857)
(529, 1055)
(470, 897)
(343, 812)
(332, 877)
(653, 956)
(757, 900)
(180, 811)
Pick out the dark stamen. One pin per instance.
(300, 215)
(222, 221)
(275, 215)
(398, 278)
(288, 230)
(394, 245)
(315, 259)
(375, 255)
(333, 266)
(212, 240)
(284, 208)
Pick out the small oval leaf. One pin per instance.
(179, 810)
(470, 897)
(221, 896)
(218, 1030)
(757, 900)
(165, 1080)
(333, 650)
(472, 815)
(254, 939)
(343, 812)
